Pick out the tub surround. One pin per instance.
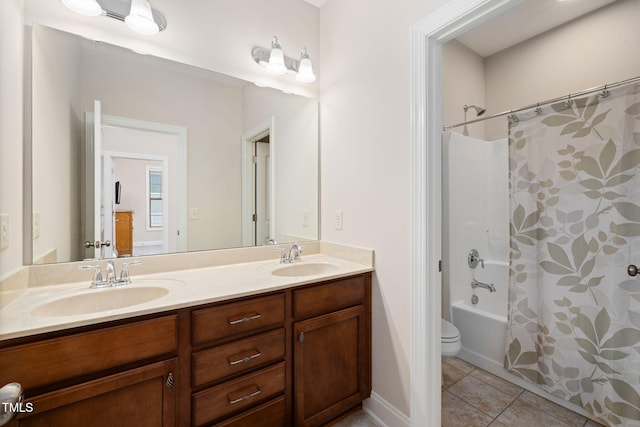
(191, 278)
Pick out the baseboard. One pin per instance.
(384, 413)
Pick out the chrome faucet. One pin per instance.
(292, 255)
(297, 250)
(99, 281)
(487, 286)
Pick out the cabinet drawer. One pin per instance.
(222, 361)
(58, 359)
(232, 396)
(328, 297)
(240, 317)
(270, 414)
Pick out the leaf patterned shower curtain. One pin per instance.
(574, 312)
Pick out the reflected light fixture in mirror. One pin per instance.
(84, 7)
(136, 14)
(277, 63)
(305, 68)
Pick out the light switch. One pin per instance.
(338, 220)
(36, 225)
(305, 218)
(194, 214)
(4, 231)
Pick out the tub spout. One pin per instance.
(487, 286)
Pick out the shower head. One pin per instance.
(479, 110)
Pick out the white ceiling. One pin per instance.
(524, 21)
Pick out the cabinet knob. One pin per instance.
(301, 338)
(632, 270)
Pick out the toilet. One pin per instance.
(450, 338)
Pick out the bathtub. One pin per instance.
(484, 335)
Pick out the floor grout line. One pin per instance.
(456, 370)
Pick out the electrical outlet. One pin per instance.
(194, 214)
(338, 220)
(36, 225)
(305, 218)
(4, 231)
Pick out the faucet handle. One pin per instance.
(473, 259)
(97, 274)
(125, 278)
(283, 256)
(297, 250)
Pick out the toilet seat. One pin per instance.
(449, 333)
(450, 339)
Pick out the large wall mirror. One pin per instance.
(158, 157)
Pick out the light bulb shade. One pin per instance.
(305, 71)
(140, 18)
(276, 61)
(84, 7)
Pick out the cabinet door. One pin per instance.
(138, 397)
(330, 365)
(124, 233)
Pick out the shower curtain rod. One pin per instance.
(603, 88)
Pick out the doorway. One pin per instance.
(427, 38)
(257, 185)
(113, 137)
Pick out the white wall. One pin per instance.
(56, 145)
(11, 104)
(366, 164)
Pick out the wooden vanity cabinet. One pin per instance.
(332, 349)
(101, 377)
(297, 357)
(238, 368)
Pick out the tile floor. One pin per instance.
(472, 397)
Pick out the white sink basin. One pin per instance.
(97, 300)
(305, 269)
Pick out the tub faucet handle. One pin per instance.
(474, 259)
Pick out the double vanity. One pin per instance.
(228, 338)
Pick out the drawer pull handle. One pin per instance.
(170, 381)
(245, 397)
(245, 359)
(245, 319)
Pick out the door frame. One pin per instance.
(427, 38)
(180, 195)
(248, 138)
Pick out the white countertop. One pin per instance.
(186, 288)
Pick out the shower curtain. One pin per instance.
(574, 312)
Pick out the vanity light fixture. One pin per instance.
(140, 18)
(276, 62)
(276, 58)
(136, 14)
